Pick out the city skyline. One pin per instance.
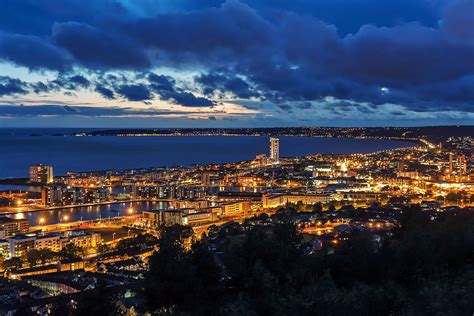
(253, 63)
(236, 157)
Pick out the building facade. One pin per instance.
(274, 150)
(41, 174)
(10, 227)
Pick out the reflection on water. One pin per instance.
(24, 188)
(89, 212)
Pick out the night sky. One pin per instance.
(206, 63)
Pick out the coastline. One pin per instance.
(408, 143)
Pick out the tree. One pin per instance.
(317, 207)
(103, 248)
(71, 251)
(99, 301)
(46, 255)
(424, 266)
(454, 197)
(170, 276)
(32, 257)
(403, 200)
(12, 263)
(142, 240)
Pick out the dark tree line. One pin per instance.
(426, 267)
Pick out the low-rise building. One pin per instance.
(235, 208)
(187, 216)
(357, 195)
(151, 217)
(81, 239)
(49, 241)
(269, 201)
(21, 244)
(4, 248)
(197, 204)
(197, 218)
(10, 227)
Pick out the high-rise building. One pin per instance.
(206, 178)
(450, 164)
(462, 165)
(274, 150)
(472, 151)
(41, 174)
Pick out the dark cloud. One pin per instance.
(285, 107)
(419, 55)
(99, 49)
(9, 86)
(79, 80)
(136, 92)
(32, 52)
(220, 83)
(70, 94)
(397, 113)
(161, 83)
(165, 87)
(304, 105)
(186, 99)
(459, 20)
(398, 56)
(37, 17)
(231, 30)
(85, 111)
(105, 92)
(348, 15)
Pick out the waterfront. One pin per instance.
(69, 153)
(84, 213)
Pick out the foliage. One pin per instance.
(99, 301)
(425, 266)
(12, 263)
(142, 240)
(71, 251)
(35, 256)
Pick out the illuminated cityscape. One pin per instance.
(236, 157)
(327, 197)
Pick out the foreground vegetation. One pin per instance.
(424, 267)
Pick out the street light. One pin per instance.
(113, 236)
(41, 220)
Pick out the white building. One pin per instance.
(274, 150)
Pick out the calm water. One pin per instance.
(19, 150)
(89, 212)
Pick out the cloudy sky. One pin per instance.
(165, 63)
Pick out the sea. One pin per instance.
(85, 213)
(19, 149)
